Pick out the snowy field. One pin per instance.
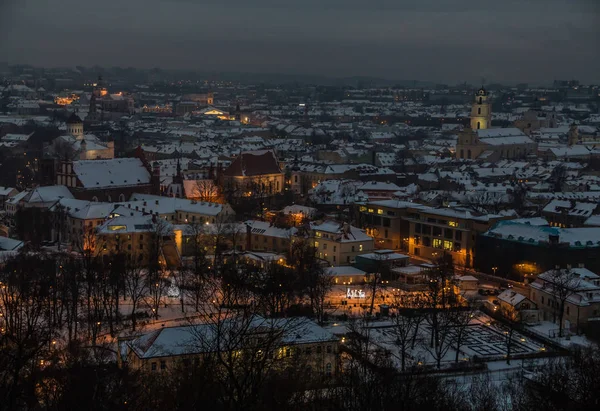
(484, 340)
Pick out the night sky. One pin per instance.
(438, 40)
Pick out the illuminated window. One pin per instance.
(437, 243)
(371, 210)
(448, 245)
(379, 211)
(317, 234)
(117, 227)
(452, 223)
(362, 208)
(360, 247)
(316, 244)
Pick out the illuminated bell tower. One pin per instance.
(481, 113)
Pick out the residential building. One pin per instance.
(264, 236)
(6, 193)
(568, 213)
(579, 287)
(288, 342)
(339, 243)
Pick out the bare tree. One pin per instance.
(136, 288)
(512, 319)
(484, 395)
(205, 190)
(405, 326)
(25, 325)
(563, 284)
(275, 289)
(443, 335)
(315, 283)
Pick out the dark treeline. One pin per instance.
(60, 315)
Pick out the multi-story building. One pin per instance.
(142, 238)
(425, 231)
(253, 174)
(520, 250)
(109, 180)
(578, 286)
(434, 232)
(568, 213)
(383, 221)
(264, 236)
(339, 243)
(287, 342)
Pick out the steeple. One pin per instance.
(481, 112)
(178, 179)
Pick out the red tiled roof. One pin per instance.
(253, 163)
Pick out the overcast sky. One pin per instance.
(437, 40)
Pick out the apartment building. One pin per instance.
(339, 243)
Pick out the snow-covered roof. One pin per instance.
(526, 233)
(10, 244)
(203, 338)
(111, 173)
(168, 205)
(379, 186)
(511, 297)
(5, 191)
(571, 208)
(130, 224)
(85, 210)
(267, 229)
(384, 255)
(346, 232)
(499, 132)
(344, 270)
(46, 194)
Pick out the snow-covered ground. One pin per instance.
(549, 330)
(484, 341)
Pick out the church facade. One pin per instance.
(481, 142)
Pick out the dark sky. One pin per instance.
(439, 40)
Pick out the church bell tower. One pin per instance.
(481, 112)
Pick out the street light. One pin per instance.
(494, 270)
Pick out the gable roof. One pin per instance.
(111, 173)
(254, 163)
(511, 297)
